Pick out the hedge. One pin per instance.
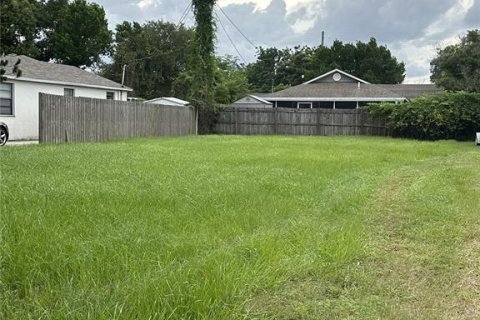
(449, 115)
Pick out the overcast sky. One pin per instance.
(411, 29)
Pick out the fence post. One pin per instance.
(275, 120)
(318, 126)
(41, 125)
(236, 120)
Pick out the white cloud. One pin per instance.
(258, 4)
(144, 4)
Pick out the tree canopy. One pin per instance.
(278, 68)
(155, 54)
(74, 33)
(457, 67)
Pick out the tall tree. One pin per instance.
(74, 33)
(203, 73)
(263, 75)
(154, 53)
(457, 67)
(231, 82)
(18, 27)
(282, 67)
(81, 35)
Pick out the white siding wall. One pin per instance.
(23, 125)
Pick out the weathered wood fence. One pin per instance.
(283, 121)
(68, 119)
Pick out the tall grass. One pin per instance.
(210, 227)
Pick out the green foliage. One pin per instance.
(81, 35)
(262, 74)
(155, 53)
(368, 61)
(74, 33)
(446, 116)
(231, 82)
(18, 27)
(15, 70)
(204, 49)
(457, 67)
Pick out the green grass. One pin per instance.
(241, 227)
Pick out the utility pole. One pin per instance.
(323, 38)
(123, 74)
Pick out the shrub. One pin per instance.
(450, 115)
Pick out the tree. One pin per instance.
(282, 67)
(154, 53)
(263, 74)
(457, 67)
(81, 35)
(231, 81)
(204, 49)
(74, 33)
(18, 27)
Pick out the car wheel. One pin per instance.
(3, 136)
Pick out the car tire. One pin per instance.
(3, 136)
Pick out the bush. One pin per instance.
(450, 115)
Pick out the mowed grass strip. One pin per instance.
(240, 227)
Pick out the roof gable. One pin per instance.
(332, 77)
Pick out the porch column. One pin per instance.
(333, 104)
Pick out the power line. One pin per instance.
(236, 27)
(228, 36)
(185, 12)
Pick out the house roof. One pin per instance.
(333, 91)
(170, 99)
(45, 72)
(410, 91)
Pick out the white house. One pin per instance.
(19, 95)
(169, 101)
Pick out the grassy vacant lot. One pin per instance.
(241, 227)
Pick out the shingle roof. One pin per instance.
(334, 90)
(51, 72)
(410, 91)
(353, 90)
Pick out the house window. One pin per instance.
(6, 99)
(304, 105)
(110, 95)
(69, 92)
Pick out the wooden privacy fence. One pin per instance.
(322, 122)
(69, 119)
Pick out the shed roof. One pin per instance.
(45, 72)
(169, 99)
